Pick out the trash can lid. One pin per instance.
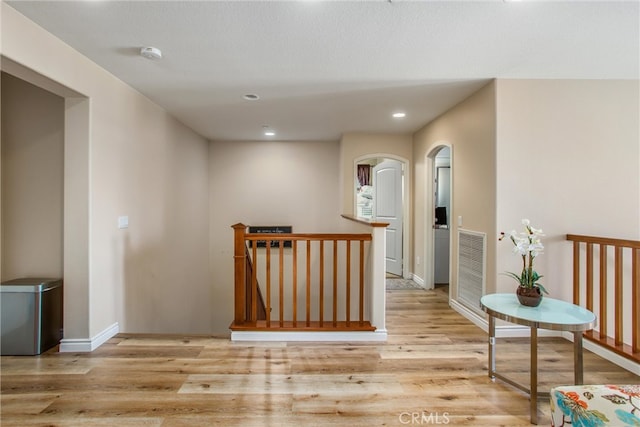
(29, 284)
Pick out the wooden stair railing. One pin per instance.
(261, 313)
(609, 299)
(247, 292)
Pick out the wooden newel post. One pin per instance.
(240, 263)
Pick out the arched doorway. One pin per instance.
(384, 178)
(438, 217)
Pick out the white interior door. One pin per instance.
(387, 201)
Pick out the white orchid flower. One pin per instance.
(537, 231)
(521, 247)
(536, 248)
(528, 245)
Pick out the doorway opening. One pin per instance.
(75, 202)
(438, 218)
(381, 194)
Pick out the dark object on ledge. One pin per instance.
(271, 229)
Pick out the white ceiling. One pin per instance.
(322, 68)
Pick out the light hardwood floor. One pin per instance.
(433, 367)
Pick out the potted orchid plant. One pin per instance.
(528, 245)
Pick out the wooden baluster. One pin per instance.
(254, 282)
(348, 299)
(361, 282)
(240, 284)
(308, 305)
(268, 251)
(247, 288)
(576, 272)
(281, 281)
(603, 291)
(295, 283)
(321, 283)
(589, 290)
(618, 297)
(621, 317)
(335, 283)
(635, 301)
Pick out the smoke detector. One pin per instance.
(151, 52)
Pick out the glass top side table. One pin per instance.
(551, 314)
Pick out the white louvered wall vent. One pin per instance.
(472, 247)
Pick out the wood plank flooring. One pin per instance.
(432, 370)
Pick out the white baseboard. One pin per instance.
(346, 336)
(418, 280)
(515, 331)
(87, 345)
(502, 331)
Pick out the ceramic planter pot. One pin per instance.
(531, 297)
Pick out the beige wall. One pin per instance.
(267, 183)
(32, 192)
(140, 162)
(568, 160)
(469, 128)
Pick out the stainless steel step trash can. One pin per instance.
(31, 314)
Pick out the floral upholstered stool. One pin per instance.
(595, 405)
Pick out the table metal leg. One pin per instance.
(577, 357)
(492, 347)
(533, 395)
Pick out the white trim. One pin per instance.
(514, 331)
(378, 294)
(469, 315)
(502, 331)
(87, 345)
(429, 214)
(417, 279)
(356, 336)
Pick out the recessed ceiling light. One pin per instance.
(251, 97)
(151, 52)
(269, 133)
(399, 115)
